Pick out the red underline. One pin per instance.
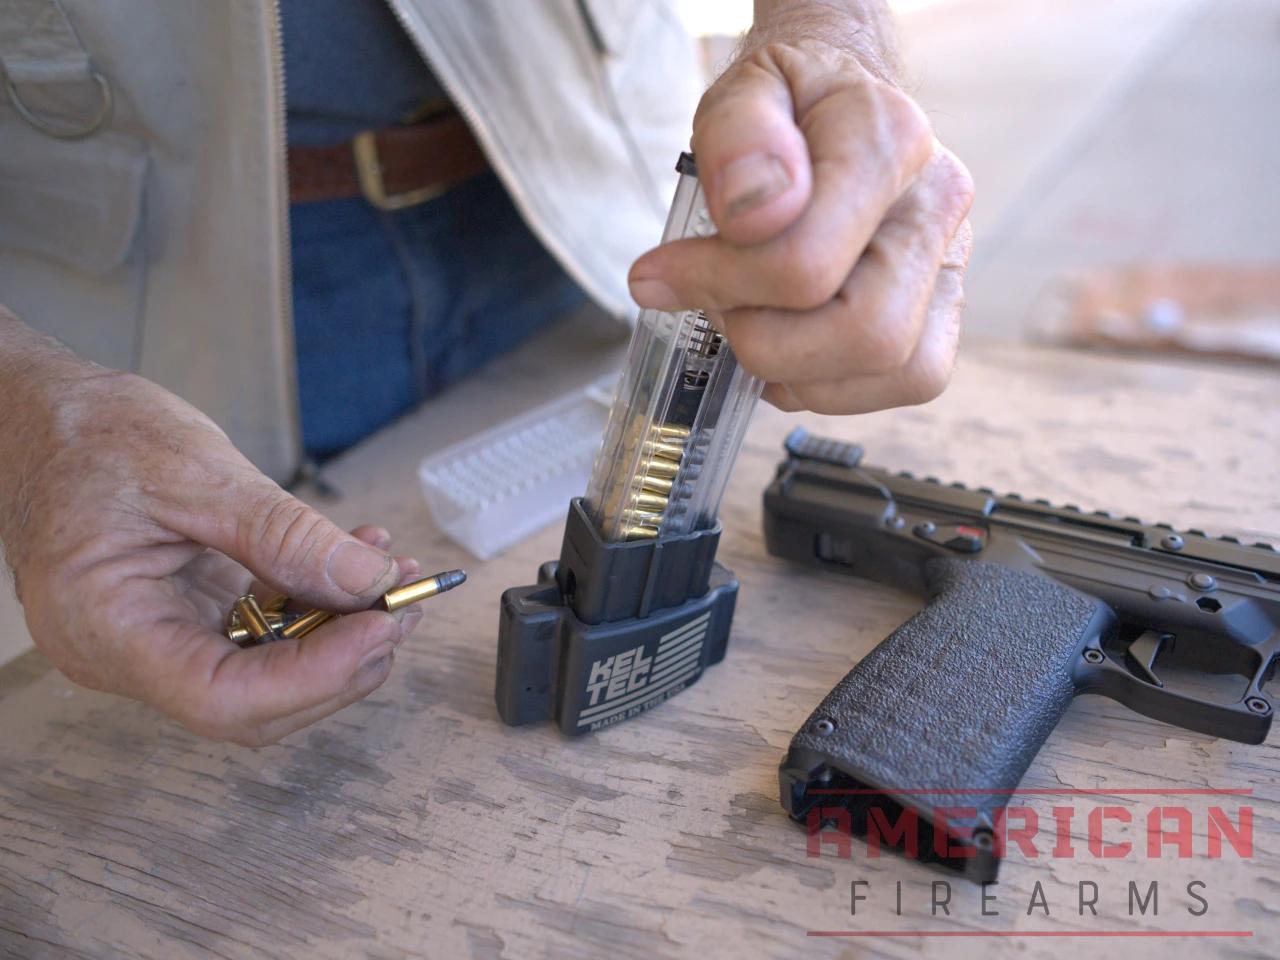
(1047, 792)
(1029, 933)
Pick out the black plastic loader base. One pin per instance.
(612, 629)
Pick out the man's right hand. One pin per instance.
(132, 524)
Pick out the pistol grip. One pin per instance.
(949, 711)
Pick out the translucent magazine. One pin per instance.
(679, 415)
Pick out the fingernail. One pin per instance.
(360, 570)
(752, 181)
(409, 568)
(654, 294)
(382, 539)
(377, 659)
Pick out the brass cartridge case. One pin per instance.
(423, 589)
(649, 502)
(303, 625)
(253, 620)
(658, 467)
(671, 431)
(665, 449)
(656, 485)
(237, 633)
(639, 532)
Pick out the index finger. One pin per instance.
(867, 142)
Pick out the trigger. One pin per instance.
(1142, 653)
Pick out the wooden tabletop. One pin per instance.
(415, 824)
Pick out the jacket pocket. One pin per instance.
(651, 70)
(77, 202)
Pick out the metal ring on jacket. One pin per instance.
(65, 131)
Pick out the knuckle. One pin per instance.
(827, 402)
(756, 355)
(744, 85)
(948, 297)
(883, 345)
(810, 274)
(958, 184)
(949, 187)
(289, 528)
(909, 127)
(926, 385)
(375, 626)
(809, 56)
(960, 248)
(829, 408)
(927, 377)
(882, 331)
(378, 676)
(769, 55)
(727, 90)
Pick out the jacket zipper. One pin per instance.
(284, 292)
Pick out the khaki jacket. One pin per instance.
(159, 244)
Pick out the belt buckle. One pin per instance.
(369, 174)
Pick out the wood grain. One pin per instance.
(415, 824)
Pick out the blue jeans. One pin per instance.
(391, 308)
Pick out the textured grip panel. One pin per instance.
(959, 698)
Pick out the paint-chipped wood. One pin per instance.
(416, 825)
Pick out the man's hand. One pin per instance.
(129, 520)
(837, 270)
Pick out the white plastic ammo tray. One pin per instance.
(495, 488)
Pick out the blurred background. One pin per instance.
(1125, 154)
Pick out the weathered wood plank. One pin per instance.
(415, 824)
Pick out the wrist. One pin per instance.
(35, 368)
(35, 372)
(861, 28)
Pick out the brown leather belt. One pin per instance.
(392, 168)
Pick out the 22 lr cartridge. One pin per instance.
(248, 624)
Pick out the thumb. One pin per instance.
(752, 158)
(290, 546)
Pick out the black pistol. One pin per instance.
(1027, 605)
